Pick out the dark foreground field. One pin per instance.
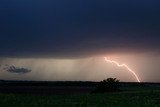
(76, 94)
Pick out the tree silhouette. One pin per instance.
(108, 85)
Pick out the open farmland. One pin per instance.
(54, 95)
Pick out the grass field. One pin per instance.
(131, 97)
(77, 94)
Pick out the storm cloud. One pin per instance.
(13, 69)
(17, 70)
(69, 28)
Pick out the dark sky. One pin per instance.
(78, 28)
(68, 39)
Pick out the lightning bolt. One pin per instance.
(123, 65)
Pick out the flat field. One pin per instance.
(146, 95)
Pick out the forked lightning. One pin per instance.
(123, 65)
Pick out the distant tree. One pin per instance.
(108, 85)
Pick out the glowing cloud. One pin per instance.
(123, 65)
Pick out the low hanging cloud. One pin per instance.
(60, 28)
(17, 70)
